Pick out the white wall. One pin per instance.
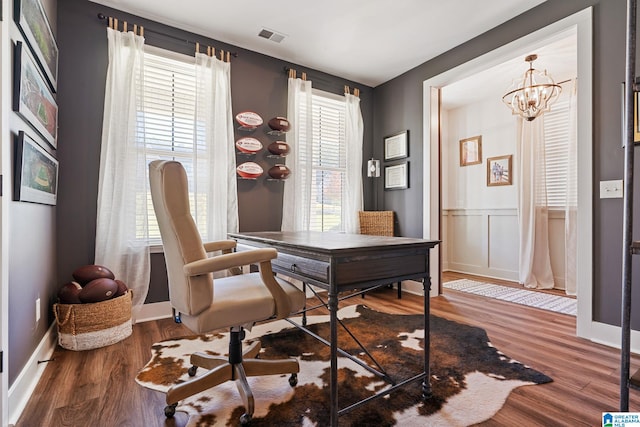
(480, 223)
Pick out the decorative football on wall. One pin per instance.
(278, 148)
(280, 124)
(98, 290)
(87, 273)
(279, 172)
(248, 145)
(249, 170)
(249, 119)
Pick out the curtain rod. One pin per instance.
(102, 17)
(288, 69)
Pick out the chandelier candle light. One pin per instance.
(534, 94)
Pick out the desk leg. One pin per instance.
(426, 384)
(333, 327)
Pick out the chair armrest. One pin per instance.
(262, 257)
(225, 261)
(221, 245)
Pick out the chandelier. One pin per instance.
(534, 94)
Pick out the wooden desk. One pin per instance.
(338, 262)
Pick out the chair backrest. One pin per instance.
(376, 223)
(180, 237)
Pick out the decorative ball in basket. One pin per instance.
(94, 310)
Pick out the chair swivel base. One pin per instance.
(220, 370)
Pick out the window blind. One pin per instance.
(328, 162)
(165, 122)
(556, 135)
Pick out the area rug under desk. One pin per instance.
(470, 378)
(526, 297)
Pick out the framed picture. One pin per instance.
(32, 98)
(396, 146)
(636, 114)
(36, 173)
(396, 177)
(34, 26)
(499, 170)
(471, 151)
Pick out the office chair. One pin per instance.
(205, 304)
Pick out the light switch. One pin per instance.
(611, 189)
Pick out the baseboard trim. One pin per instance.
(153, 311)
(611, 336)
(26, 382)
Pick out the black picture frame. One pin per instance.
(636, 115)
(33, 23)
(36, 172)
(396, 177)
(396, 146)
(32, 97)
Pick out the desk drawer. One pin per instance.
(301, 266)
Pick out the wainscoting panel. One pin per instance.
(503, 243)
(485, 242)
(468, 241)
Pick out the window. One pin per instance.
(556, 133)
(328, 170)
(166, 126)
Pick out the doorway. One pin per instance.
(580, 23)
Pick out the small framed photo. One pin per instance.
(36, 173)
(396, 146)
(636, 115)
(499, 170)
(396, 177)
(32, 98)
(471, 151)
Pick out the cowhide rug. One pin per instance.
(470, 378)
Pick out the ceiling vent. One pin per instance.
(271, 35)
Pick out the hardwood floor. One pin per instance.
(97, 387)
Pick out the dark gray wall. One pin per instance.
(398, 105)
(32, 249)
(258, 83)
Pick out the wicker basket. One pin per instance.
(88, 326)
(376, 223)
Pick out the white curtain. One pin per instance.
(123, 169)
(215, 160)
(354, 129)
(533, 212)
(571, 209)
(297, 190)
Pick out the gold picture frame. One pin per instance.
(499, 170)
(471, 151)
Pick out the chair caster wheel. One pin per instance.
(245, 419)
(170, 410)
(192, 371)
(293, 380)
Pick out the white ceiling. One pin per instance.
(366, 41)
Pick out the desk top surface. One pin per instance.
(331, 242)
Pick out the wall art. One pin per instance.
(36, 173)
(34, 26)
(32, 98)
